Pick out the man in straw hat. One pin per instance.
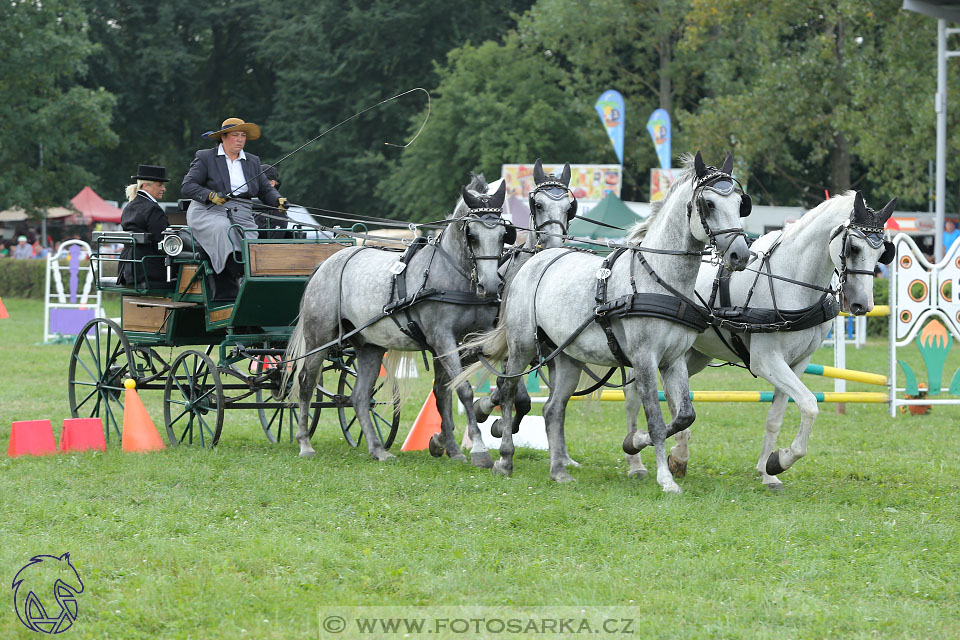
(143, 265)
(221, 182)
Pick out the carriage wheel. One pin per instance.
(193, 401)
(273, 419)
(384, 407)
(99, 364)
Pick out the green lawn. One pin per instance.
(249, 541)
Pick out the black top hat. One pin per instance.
(270, 173)
(152, 173)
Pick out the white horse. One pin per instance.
(554, 298)
(453, 287)
(791, 271)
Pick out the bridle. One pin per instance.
(555, 190)
(722, 184)
(872, 235)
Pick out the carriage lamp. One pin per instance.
(172, 245)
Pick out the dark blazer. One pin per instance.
(208, 172)
(144, 215)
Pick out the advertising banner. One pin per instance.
(610, 108)
(659, 127)
(588, 182)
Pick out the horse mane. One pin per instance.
(639, 230)
(478, 184)
(842, 203)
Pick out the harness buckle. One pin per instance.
(603, 273)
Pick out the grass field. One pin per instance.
(249, 541)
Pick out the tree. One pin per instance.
(495, 104)
(816, 98)
(48, 123)
(333, 59)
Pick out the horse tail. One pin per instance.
(395, 363)
(493, 345)
(292, 361)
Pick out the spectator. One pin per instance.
(23, 250)
(950, 235)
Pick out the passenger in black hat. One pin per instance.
(143, 265)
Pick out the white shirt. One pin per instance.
(238, 184)
(147, 195)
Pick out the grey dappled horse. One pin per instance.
(354, 285)
(552, 208)
(553, 294)
(842, 234)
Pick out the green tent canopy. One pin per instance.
(611, 210)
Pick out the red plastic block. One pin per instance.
(81, 434)
(31, 438)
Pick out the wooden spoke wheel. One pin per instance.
(100, 362)
(384, 406)
(286, 414)
(193, 401)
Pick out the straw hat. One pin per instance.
(234, 124)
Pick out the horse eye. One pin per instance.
(710, 205)
(539, 205)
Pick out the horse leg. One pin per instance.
(565, 374)
(508, 389)
(483, 407)
(633, 404)
(311, 370)
(787, 380)
(369, 359)
(680, 452)
(564, 458)
(646, 375)
(676, 388)
(444, 442)
(774, 420)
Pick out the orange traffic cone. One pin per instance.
(31, 438)
(3, 311)
(80, 434)
(139, 433)
(426, 424)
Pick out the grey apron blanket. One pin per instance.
(211, 225)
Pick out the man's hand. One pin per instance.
(282, 205)
(216, 198)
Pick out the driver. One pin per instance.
(222, 182)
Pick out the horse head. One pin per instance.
(484, 232)
(551, 203)
(856, 247)
(719, 203)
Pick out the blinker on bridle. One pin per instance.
(725, 185)
(555, 190)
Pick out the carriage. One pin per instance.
(208, 356)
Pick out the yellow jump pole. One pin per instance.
(611, 395)
(847, 374)
(879, 310)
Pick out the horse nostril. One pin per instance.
(857, 309)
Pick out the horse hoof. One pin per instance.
(501, 469)
(672, 488)
(309, 453)
(383, 456)
(459, 457)
(495, 429)
(628, 446)
(480, 413)
(436, 449)
(639, 474)
(773, 464)
(482, 460)
(774, 487)
(677, 468)
(562, 477)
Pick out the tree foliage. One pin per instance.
(48, 122)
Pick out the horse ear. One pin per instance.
(860, 213)
(538, 174)
(887, 210)
(699, 166)
(727, 167)
(469, 199)
(496, 200)
(565, 174)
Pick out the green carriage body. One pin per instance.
(232, 347)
